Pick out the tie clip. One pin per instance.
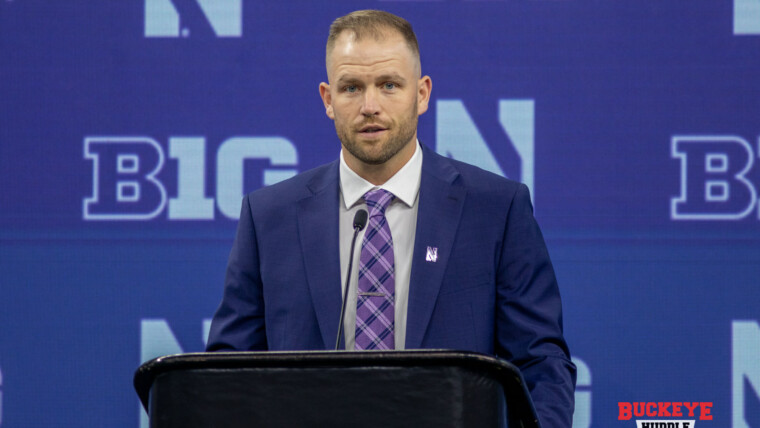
(371, 294)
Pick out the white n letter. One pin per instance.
(747, 17)
(225, 16)
(582, 414)
(161, 19)
(517, 117)
(458, 137)
(745, 364)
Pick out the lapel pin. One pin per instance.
(432, 254)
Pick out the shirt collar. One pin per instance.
(405, 184)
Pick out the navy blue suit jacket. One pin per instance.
(492, 288)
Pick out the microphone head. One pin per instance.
(360, 220)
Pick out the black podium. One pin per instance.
(334, 389)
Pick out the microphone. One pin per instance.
(360, 220)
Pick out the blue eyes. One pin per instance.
(388, 86)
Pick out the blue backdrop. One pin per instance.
(130, 130)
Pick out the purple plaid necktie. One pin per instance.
(375, 302)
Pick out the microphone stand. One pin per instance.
(360, 220)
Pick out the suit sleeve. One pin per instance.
(529, 316)
(238, 323)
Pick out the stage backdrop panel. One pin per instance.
(129, 132)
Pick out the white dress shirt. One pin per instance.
(402, 219)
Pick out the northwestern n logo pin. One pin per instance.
(432, 254)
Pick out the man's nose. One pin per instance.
(370, 105)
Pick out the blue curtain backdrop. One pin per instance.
(130, 130)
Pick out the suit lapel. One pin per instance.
(438, 214)
(318, 232)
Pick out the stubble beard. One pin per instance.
(397, 139)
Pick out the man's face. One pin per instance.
(374, 96)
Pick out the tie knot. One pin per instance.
(377, 201)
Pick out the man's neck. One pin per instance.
(379, 174)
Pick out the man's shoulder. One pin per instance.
(297, 187)
(473, 178)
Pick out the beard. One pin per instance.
(397, 138)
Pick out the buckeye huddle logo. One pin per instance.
(665, 412)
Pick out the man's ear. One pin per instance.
(324, 92)
(424, 88)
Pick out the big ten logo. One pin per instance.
(715, 179)
(175, 18)
(126, 184)
(745, 373)
(747, 17)
(129, 181)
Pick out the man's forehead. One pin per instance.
(350, 43)
(377, 34)
(368, 50)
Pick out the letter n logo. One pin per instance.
(174, 18)
(747, 17)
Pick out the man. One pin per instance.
(451, 256)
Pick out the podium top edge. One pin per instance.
(256, 359)
(148, 371)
